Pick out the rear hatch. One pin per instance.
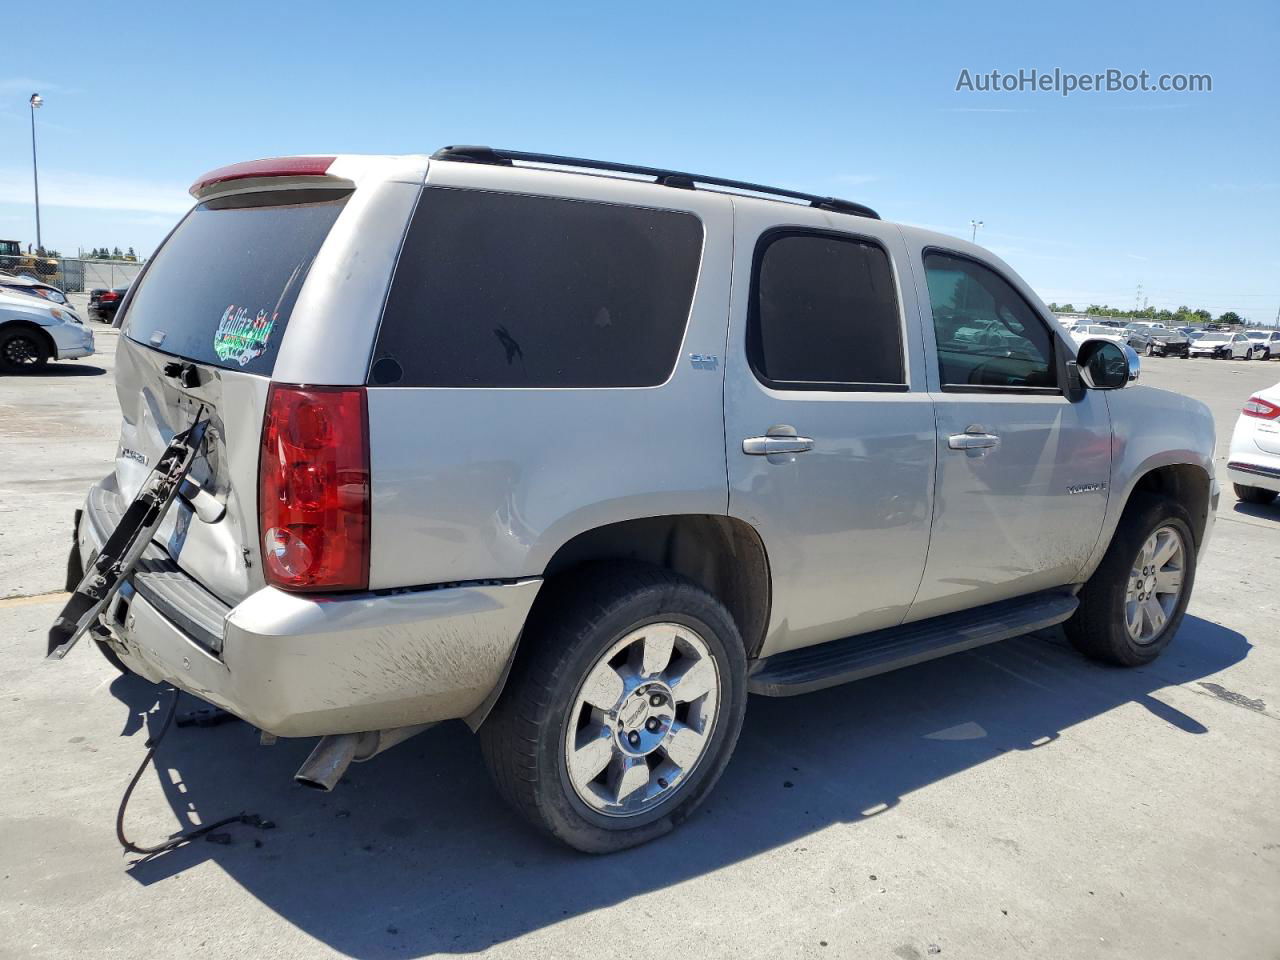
(202, 330)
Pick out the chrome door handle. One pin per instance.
(973, 438)
(764, 446)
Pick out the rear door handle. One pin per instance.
(764, 446)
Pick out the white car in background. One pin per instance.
(1230, 346)
(1266, 343)
(1254, 461)
(34, 331)
(1097, 331)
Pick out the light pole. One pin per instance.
(975, 224)
(36, 102)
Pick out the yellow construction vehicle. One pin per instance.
(13, 260)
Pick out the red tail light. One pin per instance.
(313, 488)
(110, 295)
(1262, 409)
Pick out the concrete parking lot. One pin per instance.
(1016, 800)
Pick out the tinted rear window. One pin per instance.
(222, 287)
(824, 314)
(506, 290)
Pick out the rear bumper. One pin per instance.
(1258, 470)
(297, 665)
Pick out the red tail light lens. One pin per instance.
(313, 488)
(109, 295)
(1262, 409)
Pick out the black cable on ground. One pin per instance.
(185, 836)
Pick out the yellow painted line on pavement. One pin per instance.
(27, 601)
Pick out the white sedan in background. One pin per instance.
(1097, 331)
(1254, 461)
(34, 331)
(1231, 346)
(1266, 343)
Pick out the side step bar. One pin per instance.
(840, 661)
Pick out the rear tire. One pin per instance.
(586, 693)
(1128, 585)
(1253, 494)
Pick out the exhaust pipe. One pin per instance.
(328, 761)
(334, 753)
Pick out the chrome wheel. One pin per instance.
(1155, 585)
(642, 720)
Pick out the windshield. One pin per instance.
(1106, 331)
(1214, 337)
(222, 287)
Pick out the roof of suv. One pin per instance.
(346, 171)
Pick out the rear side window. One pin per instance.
(824, 315)
(507, 290)
(222, 287)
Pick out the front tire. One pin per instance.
(1133, 604)
(22, 351)
(1253, 494)
(622, 708)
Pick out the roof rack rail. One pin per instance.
(667, 178)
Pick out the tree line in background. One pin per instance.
(1182, 317)
(102, 253)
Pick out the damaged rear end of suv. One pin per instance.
(255, 319)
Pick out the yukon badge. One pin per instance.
(133, 455)
(1087, 487)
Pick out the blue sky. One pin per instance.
(1087, 196)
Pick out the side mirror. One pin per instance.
(1105, 365)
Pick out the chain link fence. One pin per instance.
(73, 275)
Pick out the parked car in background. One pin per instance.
(1266, 343)
(35, 288)
(34, 331)
(597, 603)
(1098, 331)
(1160, 341)
(104, 307)
(1253, 462)
(1222, 346)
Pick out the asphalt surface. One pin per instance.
(1013, 801)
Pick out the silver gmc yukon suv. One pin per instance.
(583, 453)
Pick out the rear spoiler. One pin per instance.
(271, 168)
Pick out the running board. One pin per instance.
(840, 661)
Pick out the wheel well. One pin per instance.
(35, 328)
(723, 555)
(1184, 482)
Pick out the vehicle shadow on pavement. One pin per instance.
(1263, 511)
(52, 370)
(414, 853)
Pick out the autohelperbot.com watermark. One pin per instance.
(1065, 82)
